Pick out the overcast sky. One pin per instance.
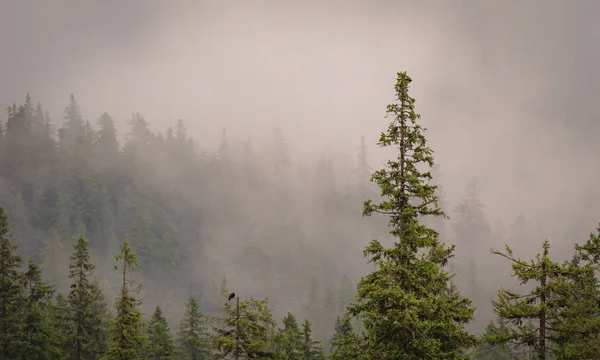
(506, 87)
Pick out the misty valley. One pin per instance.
(147, 245)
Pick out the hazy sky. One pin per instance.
(504, 86)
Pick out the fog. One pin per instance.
(506, 89)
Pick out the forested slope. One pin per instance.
(194, 226)
(245, 212)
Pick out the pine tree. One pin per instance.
(403, 304)
(473, 234)
(37, 339)
(87, 310)
(11, 291)
(345, 294)
(487, 351)
(160, 340)
(290, 339)
(311, 349)
(575, 333)
(99, 310)
(558, 317)
(53, 259)
(107, 144)
(127, 340)
(58, 315)
(245, 330)
(345, 343)
(193, 333)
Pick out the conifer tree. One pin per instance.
(87, 310)
(244, 332)
(11, 291)
(193, 333)
(106, 142)
(558, 317)
(345, 293)
(575, 333)
(345, 343)
(290, 338)
(37, 339)
(473, 234)
(160, 340)
(54, 258)
(58, 318)
(404, 305)
(311, 349)
(488, 351)
(127, 340)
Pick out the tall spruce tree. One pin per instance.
(160, 340)
(404, 304)
(11, 291)
(127, 340)
(37, 338)
(311, 349)
(193, 334)
(345, 343)
(473, 234)
(245, 331)
(488, 351)
(290, 338)
(87, 310)
(559, 317)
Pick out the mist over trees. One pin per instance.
(183, 226)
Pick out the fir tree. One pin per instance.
(473, 233)
(11, 291)
(403, 304)
(37, 339)
(127, 340)
(58, 318)
(311, 349)
(345, 344)
(556, 318)
(193, 333)
(87, 311)
(245, 330)
(290, 338)
(488, 351)
(160, 340)
(346, 294)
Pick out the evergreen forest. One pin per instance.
(145, 245)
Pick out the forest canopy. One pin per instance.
(128, 249)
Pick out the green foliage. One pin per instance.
(127, 340)
(11, 291)
(489, 351)
(58, 317)
(290, 339)
(37, 336)
(160, 341)
(404, 305)
(559, 317)
(87, 310)
(345, 343)
(193, 334)
(311, 349)
(244, 331)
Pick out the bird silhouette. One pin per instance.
(231, 296)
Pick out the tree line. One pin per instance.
(37, 322)
(407, 307)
